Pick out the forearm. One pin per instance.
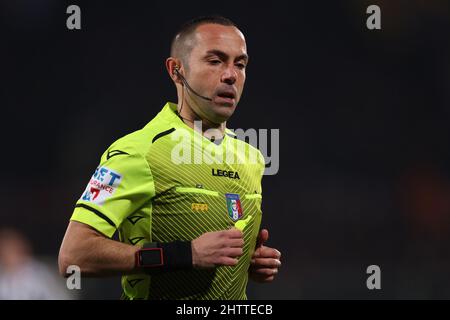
(95, 254)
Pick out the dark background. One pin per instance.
(363, 116)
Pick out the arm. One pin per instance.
(94, 253)
(97, 255)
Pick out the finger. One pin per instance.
(257, 253)
(263, 236)
(227, 261)
(269, 279)
(268, 252)
(263, 279)
(233, 252)
(265, 272)
(234, 233)
(236, 243)
(265, 263)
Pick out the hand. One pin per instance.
(265, 260)
(219, 248)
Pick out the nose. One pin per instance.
(229, 75)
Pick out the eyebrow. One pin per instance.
(222, 55)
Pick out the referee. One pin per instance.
(188, 225)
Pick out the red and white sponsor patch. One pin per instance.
(101, 186)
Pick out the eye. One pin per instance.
(240, 65)
(214, 62)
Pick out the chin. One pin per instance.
(223, 112)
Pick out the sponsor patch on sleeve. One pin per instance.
(101, 186)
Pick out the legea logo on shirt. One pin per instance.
(101, 186)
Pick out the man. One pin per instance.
(177, 238)
(22, 275)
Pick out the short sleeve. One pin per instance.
(120, 185)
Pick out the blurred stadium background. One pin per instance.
(363, 116)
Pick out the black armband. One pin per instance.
(156, 257)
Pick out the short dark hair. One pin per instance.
(179, 48)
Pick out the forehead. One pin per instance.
(224, 38)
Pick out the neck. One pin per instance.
(208, 128)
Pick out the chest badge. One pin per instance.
(234, 206)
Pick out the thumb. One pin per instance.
(263, 236)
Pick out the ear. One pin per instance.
(171, 64)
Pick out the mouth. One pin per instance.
(226, 97)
